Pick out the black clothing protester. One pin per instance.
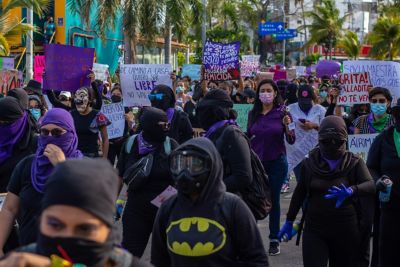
(87, 139)
(190, 110)
(217, 229)
(181, 129)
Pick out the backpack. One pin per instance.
(257, 195)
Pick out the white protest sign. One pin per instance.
(382, 73)
(101, 71)
(137, 81)
(300, 70)
(354, 88)
(115, 113)
(2, 199)
(250, 65)
(164, 196)
(360, 144)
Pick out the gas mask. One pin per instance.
(190, 170)
(81, 99)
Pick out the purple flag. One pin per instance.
(67, 67)
(221, 61)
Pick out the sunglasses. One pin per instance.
(54, 132)
(380, 101)
(165, 125)
(64, 98)
(158, 96)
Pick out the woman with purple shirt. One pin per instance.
(268, 126)
(57, 141)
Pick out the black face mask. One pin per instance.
(89, 253)
(332, 149)
(305, 104)
(116, 98)
(163, 104)
(155, 135)
(188, 184)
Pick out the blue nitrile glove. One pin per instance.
(340, 193)
(287, 229)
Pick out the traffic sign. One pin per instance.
(269, 28)
(286, 34)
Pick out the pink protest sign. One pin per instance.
(280, 75)
(38, 68)
(354, 88)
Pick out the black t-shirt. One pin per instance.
(30, 201)
(87, 139)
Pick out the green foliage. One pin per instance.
(351, 45)
(181, 58)
(311, 59)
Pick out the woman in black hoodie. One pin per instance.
(203, 225)
(331, 181)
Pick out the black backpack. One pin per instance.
(257, 195)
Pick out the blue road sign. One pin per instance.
(269, 28)
(286, 34)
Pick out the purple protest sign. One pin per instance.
(67, 67)
(327, 67)
(221, 61)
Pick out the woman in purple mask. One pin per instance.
(17, 140)
(57, 141)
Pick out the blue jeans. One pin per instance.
(277, 171)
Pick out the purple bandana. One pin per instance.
(218, 125)
(10, 135)
(333, 164)
(144, 147)
(170, 114)
(68, 142)
(370, 120)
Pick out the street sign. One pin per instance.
(286, 34)
(269, 28)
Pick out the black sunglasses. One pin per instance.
(54, 132)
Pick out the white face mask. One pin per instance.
(81, 100)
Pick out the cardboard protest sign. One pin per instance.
(137, 81)
(360, 144)
(300, 71)
(249, 65)
(67, 67)
(354, 88)
(101, 71)
(38, 68)
(115, 113)
(221, 61)
(382, 73)
(243, 113)
(192, 70)
(7, 63)
(10, 79)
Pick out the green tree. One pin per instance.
(351, 45)
(326, 27)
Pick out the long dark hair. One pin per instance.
(258, 105)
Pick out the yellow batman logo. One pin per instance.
(195, 237)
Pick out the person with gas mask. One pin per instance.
(203, 225)
(89, 123)
(18, 139)
(162, 97)
(379, 119)
(384, 164)
(307, 117)
(57, 142)
(151, 143)
(217, 119)
(331, 182)
(76, 224)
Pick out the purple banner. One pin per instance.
(221, 61)
(67, 67)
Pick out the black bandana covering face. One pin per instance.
(81, 99)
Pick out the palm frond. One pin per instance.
(38, 6)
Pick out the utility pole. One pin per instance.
(29, 45)
(204, 23)
(284, 41)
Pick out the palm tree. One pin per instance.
(326, 27)
(351, 45)
(11, 27)
(385, 38)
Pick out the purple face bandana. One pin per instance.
(170, 114)
(145, 147)
(68, 142)
(10, 135)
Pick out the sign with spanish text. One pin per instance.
(137, 81)
(354, 88)
(10, 79)
(221, 61)
(360, 144)
(249, 66)
(101, 71)
(67, 67)
(382, 73)
(116, 114)
(192, 70)
(242, 115)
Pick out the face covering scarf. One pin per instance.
(396, 136)
(378, 125)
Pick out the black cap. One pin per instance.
(249, 93)
(35, 87)
(306, 91)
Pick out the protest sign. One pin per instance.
(10, 79)
(249, 65)
(360, 144)
(354, 88)
(243, 113)
(101, 71)
(382, 73)
(2, 199)
(38, 68)
(264, 76)
(192, 70)
(280, 75)
(164, 196)
(7, 63)
(67, 67)
(221, 61)
(137, 81)
(291, 74)
(115, 113)
(300, 71)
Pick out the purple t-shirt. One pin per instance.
(268, 133)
